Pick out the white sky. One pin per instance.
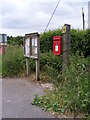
(18, 17)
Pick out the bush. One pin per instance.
(76, 85)
(13, 62)
(51, 60)
(15, 40)
(46, 40)
(79, 41)
(50, 66)
(71, 93)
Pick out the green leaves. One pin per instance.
(70, 94)
(13, 61)
(79, 41)
(62, 110)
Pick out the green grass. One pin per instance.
(70, 94)
(13, 61)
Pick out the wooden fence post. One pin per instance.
(27, 66)
(65, 47)
(38, 60)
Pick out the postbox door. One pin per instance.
(56, 48)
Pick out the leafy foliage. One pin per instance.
(79, 41)
(15, 40)
(13, 61)
(70, 94)
(46, 40)
(51, 67)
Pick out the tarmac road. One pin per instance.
(17, 96)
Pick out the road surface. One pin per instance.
(17, 96)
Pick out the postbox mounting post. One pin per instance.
(65, 46)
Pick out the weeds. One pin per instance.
(70, 93)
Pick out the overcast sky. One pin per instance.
(18, 17)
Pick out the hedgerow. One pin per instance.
(79, 41)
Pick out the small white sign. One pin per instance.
(27, 42)
(56, 48)
(35, 50)
(34, 41)
(27, 50)
(27, 46)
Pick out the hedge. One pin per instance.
(79, 41)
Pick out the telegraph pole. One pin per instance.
(89, 15)
(83, 19)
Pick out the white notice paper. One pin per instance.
(27, 42)
(35, 41)
(35, 50)
(56, 48)
(27, 46)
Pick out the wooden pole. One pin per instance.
(37, 69)
(83, 19)
(27, 66)
(38, 60)
(89, 15)
(65, 47)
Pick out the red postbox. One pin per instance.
(57, 45)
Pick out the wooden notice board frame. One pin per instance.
(32, 50)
